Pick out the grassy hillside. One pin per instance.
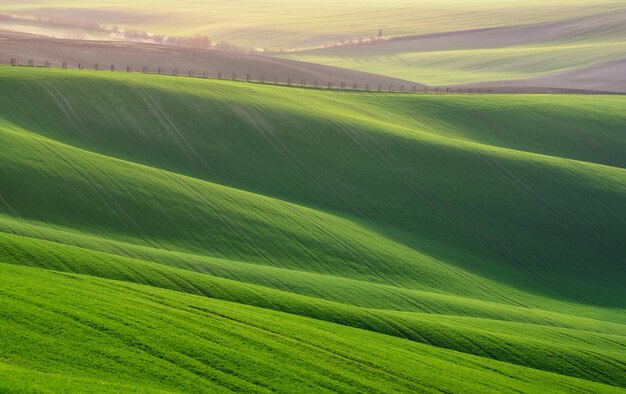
(289, 24)
(466, 234)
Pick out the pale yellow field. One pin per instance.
(289, 24)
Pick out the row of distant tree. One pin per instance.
(72, 23)
(195, 41)
(340, 43)
(356, 41)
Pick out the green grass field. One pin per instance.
(176, 234)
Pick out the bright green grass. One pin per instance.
(489, 225)
(289, 24)
(111, 336)
(526, 336)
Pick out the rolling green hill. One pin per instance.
(179, 234)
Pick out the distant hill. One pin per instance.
(300, 23)
(40, 49)
(608, 77)
(578, 53)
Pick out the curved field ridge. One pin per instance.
(177, 234)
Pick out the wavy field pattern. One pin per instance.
(196, 232)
